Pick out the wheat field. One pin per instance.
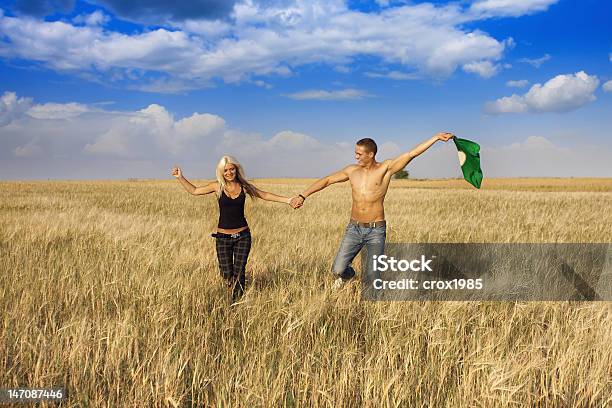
(111, 288)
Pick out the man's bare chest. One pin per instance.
(363, 182)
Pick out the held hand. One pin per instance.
(445, 136)
(296, 202)
(176, 172)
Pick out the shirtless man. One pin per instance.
(369, 182)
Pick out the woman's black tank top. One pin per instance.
(231, 211)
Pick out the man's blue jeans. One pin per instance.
(355, 238)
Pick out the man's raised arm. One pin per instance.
(319, 185)
(402, 160)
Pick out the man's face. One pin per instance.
(362, 156)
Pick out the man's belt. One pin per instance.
(374, 224)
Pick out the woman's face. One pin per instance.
(229, 172)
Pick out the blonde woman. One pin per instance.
(233, 238)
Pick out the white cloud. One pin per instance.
(395, 75)
(562, 93)
(164, 85)
(292, 140)
(97, 18)
(153, 132)
(521, 83)
(57, 110)
(485, 69)
(146, 143)
(12, 108)
(205, 28)
(507, 104)
(270, 39)
(322, 95)
(608, 86)
(533, 143)
(256, 146)
(342, 69)
(134, 140)
(535, 62)
(66, 47)
(511, 8)
(262, 84)
(30, 149)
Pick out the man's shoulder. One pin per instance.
(350, 168)
(386, 163)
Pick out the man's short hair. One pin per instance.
(369, 144)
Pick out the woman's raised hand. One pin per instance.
(176, 172)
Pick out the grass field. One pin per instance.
(111, 288)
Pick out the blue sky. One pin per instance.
(112, 89)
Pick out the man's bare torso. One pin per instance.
(369, 187)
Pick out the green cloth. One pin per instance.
(469, 159)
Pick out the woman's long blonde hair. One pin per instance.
(240, 176)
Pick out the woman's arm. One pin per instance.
(190, 188)
(264, 195)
